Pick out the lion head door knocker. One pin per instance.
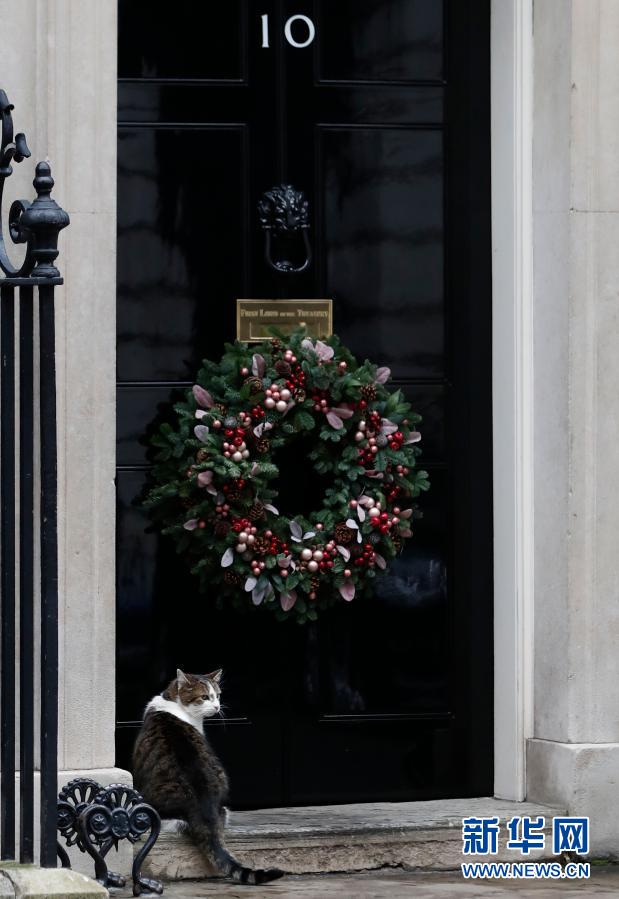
(284, 218)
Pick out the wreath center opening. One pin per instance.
(299, 486)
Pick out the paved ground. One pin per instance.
(396, 885)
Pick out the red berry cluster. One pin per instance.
(367, 454)
(257, 412)
(384, 522)
(393, 493)
(276, 545)
(296, 381)
(367, 559)
(366, 457)
(237, 435)
(235, 485)
(240, 524)
(396, 440)
(321, 400)
(328, 555)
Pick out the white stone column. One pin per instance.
(573, 759)
(58, 67)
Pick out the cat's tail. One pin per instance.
(210, 845)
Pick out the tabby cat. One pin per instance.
(177, 772)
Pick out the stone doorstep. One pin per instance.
(31, 882)
(346, 838)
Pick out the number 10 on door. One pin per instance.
(293, 41)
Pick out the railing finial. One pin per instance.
(36, 224)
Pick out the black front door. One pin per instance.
(379, 111)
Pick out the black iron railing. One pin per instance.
(24, 289)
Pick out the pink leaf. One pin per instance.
(200, 413)
(228, 558)
(205, 478)
(191, 525)
(287, 600)
(380, 561)
(382, 374)
(343, 412)
(334, 420)
(296, 530)
(347, 590)
(406, 532)
(388, 427)
(360, 512)
(257, 595)
(284, 561)
(370, 473)
(263, 426)
(345, 553)
(201, 432)
(324, 351)
(406, 513)
(271, 508)
(366, 501)
(250, 583)
(351, 523)
(202, 397)
(258, 365)
(413, 437)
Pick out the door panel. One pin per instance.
(374, 40)
(383, 230)
(383, 122)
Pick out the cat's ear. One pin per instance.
(215, 676)
(181, 677)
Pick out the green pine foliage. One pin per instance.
(215, 490)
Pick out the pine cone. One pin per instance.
(368, 392)
(397, 542)
(300, 395)
(343, 533)
(256, 512)
(201, 455)
(283, 368)
(263, 445)
(314, 583)
(255, 384)
(261, 546)
(221, 527)
(232, 578)
(233, 493)
(220, 408)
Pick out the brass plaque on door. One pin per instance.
(255, 317)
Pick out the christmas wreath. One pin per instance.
(216, 479)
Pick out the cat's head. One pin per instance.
(197, 693)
